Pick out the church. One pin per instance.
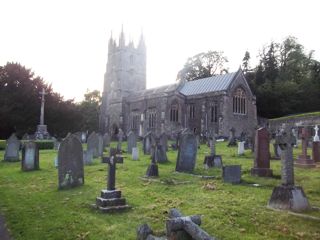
(210, 105)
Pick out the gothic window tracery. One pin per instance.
(174, 113)
(239, 101)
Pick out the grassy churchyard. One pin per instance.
(35, 209)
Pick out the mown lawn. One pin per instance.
(35, 209)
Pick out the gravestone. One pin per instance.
(148, 140)
(87, 157)
(106, 140)
(135, 153)
(120, 137)
(12, 149)
(78, 136)
(164, 141)
(304, 160)
(30, 156)
(287, 196)
(110, 199)
(100, 145)
(132, 141)
(262, 155)
(295, 134)
(152, 170)
(93, 144)
(160, 152)
(83, 137)
(26, 136)
(70, 163)
(231, 173)
(232, 139)
(209, 160)
(56, 161)
(217, 161)
(187, 153)
(240, 148)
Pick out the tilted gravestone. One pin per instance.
(287, 196)
(70, 163)
(106, 140)
(110, 199)
(262, 155)
(30, 156)
(304, 160)
(231, 173)
(187, 153)
(12, 149)
(132, 141)
(93, 144)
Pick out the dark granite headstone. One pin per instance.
(70, 163)
(262, 155)
(30, 156)
(231, 173)
(93, 144)
(132, 141)
(187, 153)
(316, 151)
(12, 149)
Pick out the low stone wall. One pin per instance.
(298, 121)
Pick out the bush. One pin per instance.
(43, 144)
(2, 144)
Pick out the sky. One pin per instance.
(66, 41)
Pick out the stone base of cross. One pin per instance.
(110, 199)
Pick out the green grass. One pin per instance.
(35, 209)
(2, 144)
(310, 114)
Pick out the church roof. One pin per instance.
(209, 84)
(153, 92)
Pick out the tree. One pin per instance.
(245, 62)
(203, 65)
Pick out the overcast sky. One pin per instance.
(65, 41)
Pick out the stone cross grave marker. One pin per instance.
(132, 141)
(30, 156)
(287, 196)
(187, 153)
(110, 199)
(262, 155)
(304, 160)
(93, 144)
(12, 149)
(70, 163)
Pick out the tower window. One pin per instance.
(239, 102)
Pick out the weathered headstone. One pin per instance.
(304, 160)
(12, 149)
(287, 196)
(240, 148)
(148, 140)
(93, 144)
(87, 157)
(262, 155)
(187, 153)
(217, 161)
(132, 141)
(135, 153)
(160, 151)
(106, 140)
(231, 173)
(100, 145)
(70, 163)
(164, 141)
(152, 170)
(30, 156)
(110, 199)
(232, 139)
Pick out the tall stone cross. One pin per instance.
(316, 136)
(42, 106)
(285, 139)
(112, 160)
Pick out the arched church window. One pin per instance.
(152, 117)
(174, 113)
(239, 101)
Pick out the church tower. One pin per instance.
(125, 73)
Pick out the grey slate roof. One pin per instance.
(153, 92)
(210, 84)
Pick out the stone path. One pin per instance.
(4, 234)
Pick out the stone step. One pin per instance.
(102, 202)
(114, 208)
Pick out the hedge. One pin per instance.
(2, 144)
